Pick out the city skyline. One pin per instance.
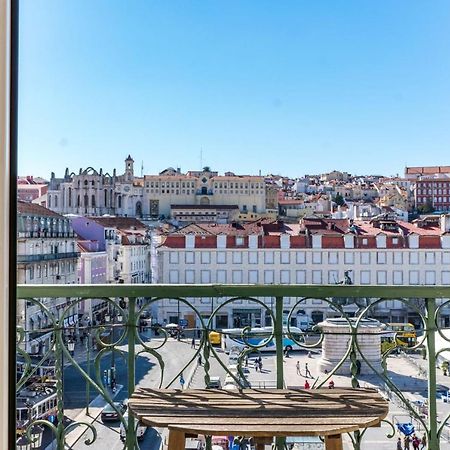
(288, 89)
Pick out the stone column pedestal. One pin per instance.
(337, 340)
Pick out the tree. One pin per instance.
(339, 200)
(427, 208)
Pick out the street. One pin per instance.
(407, 372)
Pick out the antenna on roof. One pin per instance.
(142, 168)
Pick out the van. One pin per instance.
(140, 430)
(194, 444)
(214, 383)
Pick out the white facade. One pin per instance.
(381, 266)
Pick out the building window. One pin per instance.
(317, 277)
(365, 258)
(252, 257)
(268, 258)
(365, 276)
(236, 276)
(413, 258)
(349, 258)
(430, 258)
(398, 257)
(253, 276)
(381, 277)
(173, 277)
(221, 276)
(269, 277)
(285, 258)
(300, 276)
(206, 257)
(446, 277)
(285, 277)
(189, 258)
(173, 258)
(221, 258)
(430, 277)
(300, 257)
(205, 276)
(333, 258)
(317, 258)
(398, 277)
(381, 257)
(237, 257)
(333, 276)
(190, 276)
(414, 277)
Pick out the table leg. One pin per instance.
(176, 440)
(333, 442)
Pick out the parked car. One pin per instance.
(109, 413)
(214, 383)
(140, 429)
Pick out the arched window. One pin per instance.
(106, 198)
(70, 197)
(93, 201)
(56, 201)
(49, 201)
(86, 200)
(119, 201)
(78, 201)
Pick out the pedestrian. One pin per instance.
(181, 380)
(193, 342)
(260, 365)
(399, 444)
(406, 443)
(246, 360)
(415, 442)
(307, 372)
(307, 386)
(298, 368)
(256, 365)
(423, 441)
(199, 359)
(331, 384)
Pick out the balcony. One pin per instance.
(46, 257)
(107, 367)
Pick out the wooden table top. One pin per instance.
(260, 412)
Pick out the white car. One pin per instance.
(140, 430)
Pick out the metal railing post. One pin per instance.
(433, 441)
(131, 336)
(278, 333)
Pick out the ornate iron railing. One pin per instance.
(123, 338)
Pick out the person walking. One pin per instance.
(307, 372)
(399, 444)
(415, 442)
(407, 443)
(298, 368)
(423, 441)
(260, 365)
(193, 342)
(307, 386)
(199, 359)
(256, 365)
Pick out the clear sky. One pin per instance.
(288, 87)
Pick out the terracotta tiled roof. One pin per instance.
(35, 209)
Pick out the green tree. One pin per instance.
(339, 200)
(427, 208)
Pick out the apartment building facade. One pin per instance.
(46, 254)
(315, 251)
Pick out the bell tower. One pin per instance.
(129, 169)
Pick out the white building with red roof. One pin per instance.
(315, 251)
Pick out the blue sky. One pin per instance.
(289, 87)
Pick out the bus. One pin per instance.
(405, 333)
(34, 402)
(215, 338)
(398, 335)
(234, 339)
